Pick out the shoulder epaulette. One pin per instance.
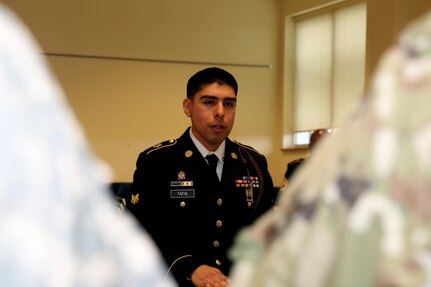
(161, 145)
(247, 147)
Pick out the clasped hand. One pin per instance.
(207, 276)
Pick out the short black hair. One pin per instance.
(208, 76)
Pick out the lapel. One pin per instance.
(232, 164)
(232, 160)
(189, 150)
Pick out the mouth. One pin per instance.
(217, 128)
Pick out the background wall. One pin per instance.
(128, 92)
(386, 18)
(126, 106)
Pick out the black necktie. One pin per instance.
(212, 162)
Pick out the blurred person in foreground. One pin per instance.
(358, 214)
(58, 223)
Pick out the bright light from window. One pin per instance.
(302, 138)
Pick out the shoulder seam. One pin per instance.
(247, 147)
(162, 145)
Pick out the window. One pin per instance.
(303, 138)
(329, 68)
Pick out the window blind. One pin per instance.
(329, 66)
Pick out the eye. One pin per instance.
(209, 102)
(230, 104)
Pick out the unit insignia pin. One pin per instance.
(181, 175)
(188, 153)
(249, 195)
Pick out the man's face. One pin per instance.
(212, 112)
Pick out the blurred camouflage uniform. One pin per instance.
(357, 213)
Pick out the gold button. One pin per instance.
(218, 262)
(219, 223)
(182, 204)
(216, 243)
(219, 202)
(249, 204)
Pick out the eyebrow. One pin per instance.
(229, 99)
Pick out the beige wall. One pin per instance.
(126, 106)
(385, 19)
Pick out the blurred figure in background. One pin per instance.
(58, 223)
(358, 213)
(294, 164)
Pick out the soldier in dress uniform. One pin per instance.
(193, 211)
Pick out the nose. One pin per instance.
(219, 110)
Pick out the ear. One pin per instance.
(187, 104)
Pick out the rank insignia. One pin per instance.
(181, 175)
(135, 198)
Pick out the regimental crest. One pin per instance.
(181, 175)
(135, 198)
